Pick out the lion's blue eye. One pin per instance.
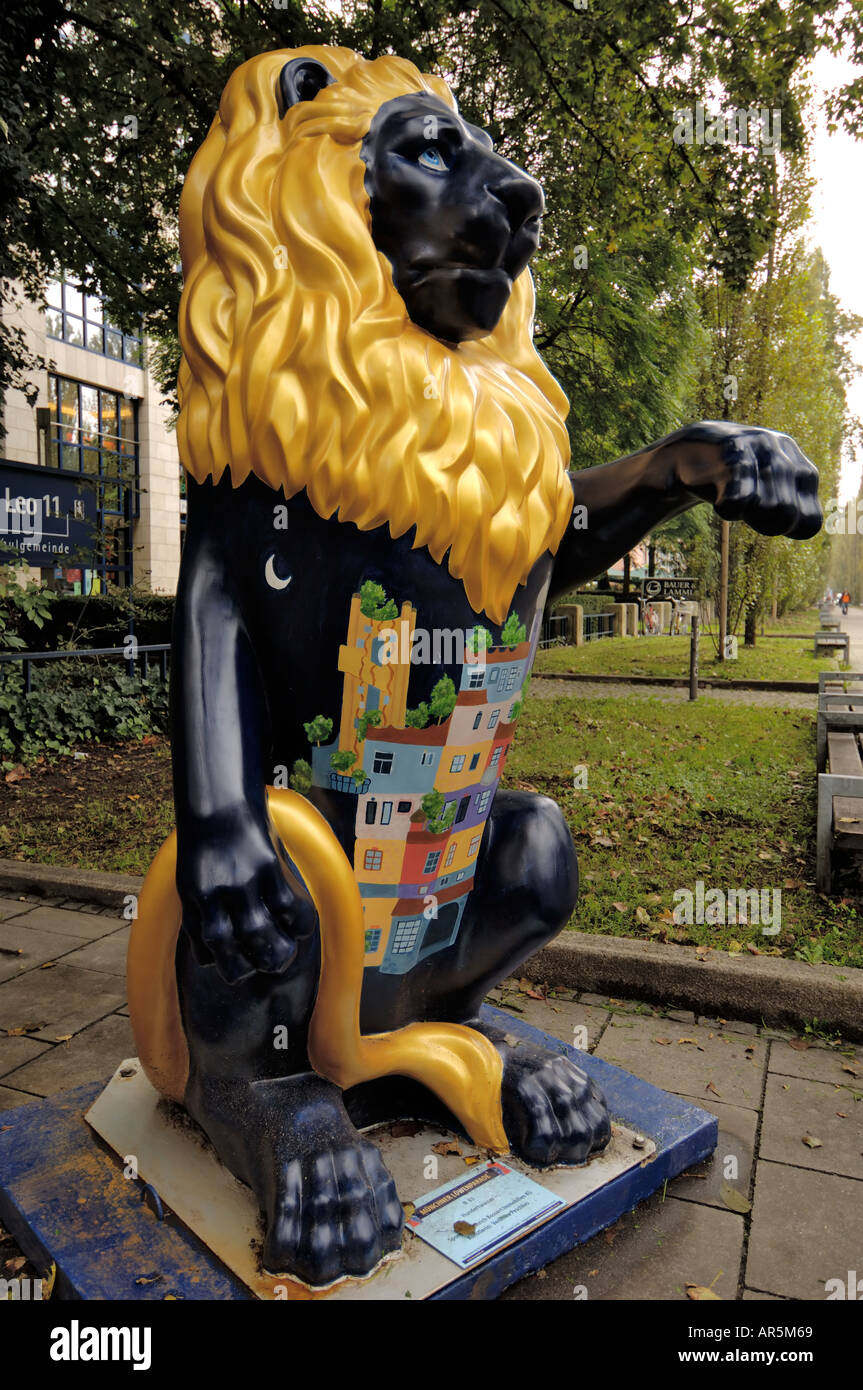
(433, 159)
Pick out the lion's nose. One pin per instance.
(520, 194)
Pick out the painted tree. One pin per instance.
(443, 698)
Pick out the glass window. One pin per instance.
(371, 811)
(493, 718)
(431, 861)
(383, 763)
(74, 300)
(74, 333)
(79, 319)
(473, 846)
(457, 763)
(372, 859)
(387, 813)
(84, 439)
(403, 806)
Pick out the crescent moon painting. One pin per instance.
(272, 578)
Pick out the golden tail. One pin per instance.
(458, 1064)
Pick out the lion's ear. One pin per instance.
(300, 80)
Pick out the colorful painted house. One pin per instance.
(414, 864)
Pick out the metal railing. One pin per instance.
(131, 653)
(554, 632)
(598, 625)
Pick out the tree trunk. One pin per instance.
(749, 629)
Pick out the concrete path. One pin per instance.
(790, 1133)
(852, 623)
(547, 688)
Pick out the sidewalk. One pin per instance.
(63, 1021)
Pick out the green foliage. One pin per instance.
(372, 717)
(479, 640)
(319, 729)
(72, 703)
(417, 718)
(433, 804)
(443, 698)
(301, 776)
(22, 605)
(342, 760)
(102, 114)
(513, 631)
(375, 604)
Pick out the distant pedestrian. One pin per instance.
(651, 620)
(845, 600)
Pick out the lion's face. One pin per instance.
(457, 222)
(357, 316)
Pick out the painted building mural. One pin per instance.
(424, 778)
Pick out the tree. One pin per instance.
(417, 718)
(375, 604)
(777, 356)
(318, 730)
(371, 717)
(513, 631)
(443, 698)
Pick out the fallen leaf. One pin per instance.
(149, 1278)
(408, 1208)
(642, 915)
(811, 1142)
(464, 1228)
(851, 1071)
(799, 1044)
(710, 1087)
(471, 1159)
(734, 1200)
(602, 842)
(619, 907)
(447, 1146)
(701, 1293)
(693, 1041)
(841, 1115)
(48, 965)
(753, 950)
(663, 1042)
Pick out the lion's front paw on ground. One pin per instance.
(332, 1213)
(553, 1113)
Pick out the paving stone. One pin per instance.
(9, 1099)
(753, 1296)
(32, 947)
(806, 1228)
(14, 1052)
(560, 1019)
(704, 1182)
(94, 908)
(93, 1053)
(680, 1015)
(59, 919)
(651, 1253)
(62, 1000)
(107, 955)
(818, 1064)
(681, 1067)
(794, 1107)
(778, 1033)
(730, 1025)
(12, 907)
(124, 1011)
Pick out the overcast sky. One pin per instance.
(837, 226)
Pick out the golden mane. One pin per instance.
(301, 365)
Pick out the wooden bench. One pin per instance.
(830, 641)
(840, 790)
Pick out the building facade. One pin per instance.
(90, 480)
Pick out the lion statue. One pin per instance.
(379, 508)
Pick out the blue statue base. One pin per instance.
(64, 1195)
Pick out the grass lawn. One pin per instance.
(805, 620)
(675, 793)
(770, 659)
